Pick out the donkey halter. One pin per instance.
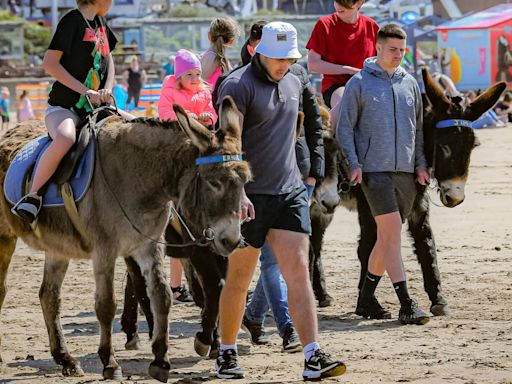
(208, 233)
(449, 123)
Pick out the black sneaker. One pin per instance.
(371, 309)
(291, 341)
(227, 366)
(181, 295)
(28, 207)
(321, 365)
(412, 314)
(256, 330)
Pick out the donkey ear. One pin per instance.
(300, 124)
(434, 93)
(229, 118)
(195, 131)
(485, 101)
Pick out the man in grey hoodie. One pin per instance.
(380, 131)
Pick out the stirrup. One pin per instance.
(28, 207)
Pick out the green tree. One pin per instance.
(36, 37)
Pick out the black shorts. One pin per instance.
(288, 211)
(5, 119)
(388, 192)
(327, 95)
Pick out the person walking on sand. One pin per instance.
(380, 131)
(275, 203)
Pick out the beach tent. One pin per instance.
(476, 50)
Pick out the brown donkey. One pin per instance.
(141, 166)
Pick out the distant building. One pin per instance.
(448, 8)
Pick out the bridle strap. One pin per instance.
(207, 232)
(219, 159)
(454, 123)
(449, 123)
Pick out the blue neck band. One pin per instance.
(218, 159)
(454, 123)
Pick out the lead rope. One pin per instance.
(134, 227)
(433, 185)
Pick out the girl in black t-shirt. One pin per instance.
(80, 61)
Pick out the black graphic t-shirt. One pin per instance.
(77, 41)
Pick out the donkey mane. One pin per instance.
(154, 122)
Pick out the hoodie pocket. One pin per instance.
(367, 148)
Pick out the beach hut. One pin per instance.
(476, 50)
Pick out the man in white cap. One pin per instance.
(275, 202)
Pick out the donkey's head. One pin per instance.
(210, 190)
(325, 196)
(449, 138)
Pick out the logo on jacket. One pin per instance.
(410, 101)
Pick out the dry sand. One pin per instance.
(474, 345)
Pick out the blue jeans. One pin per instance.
(488, 119)
(270, 291)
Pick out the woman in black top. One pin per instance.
(80, 61)
(135, 78)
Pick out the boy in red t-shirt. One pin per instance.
(338, 46)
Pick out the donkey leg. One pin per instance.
(318, 227)
(425, 249)
(194, 285)
(135, 293)
(105, 306)
(368, 233)
(49, 296)
(210, 275)
(150, 260)
(129, 316)
(7, 246)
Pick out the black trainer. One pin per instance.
(410, 313)
(321, 365)
(227, 366)
(181, 295)
(256, 330)
(28, 207)
(371, 309)
(291, 341)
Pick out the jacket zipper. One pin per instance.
(394, 117)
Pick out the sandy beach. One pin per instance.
(473, 345)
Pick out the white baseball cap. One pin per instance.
(279, 41)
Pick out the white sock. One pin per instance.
(224, 347)
(310, 349)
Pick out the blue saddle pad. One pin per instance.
(14, 183)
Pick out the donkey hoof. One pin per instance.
(214, 352)
(201, 348)
(160, 371)
(73, 370)
(115, 374)
(327, 301)
(440, 310)
(133, 344)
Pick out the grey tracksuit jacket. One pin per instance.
(380, 123)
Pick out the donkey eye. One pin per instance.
(215, 184)
(447, 152)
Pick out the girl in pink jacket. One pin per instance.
(187, 89)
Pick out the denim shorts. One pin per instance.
(288, 211)
(388, 192)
